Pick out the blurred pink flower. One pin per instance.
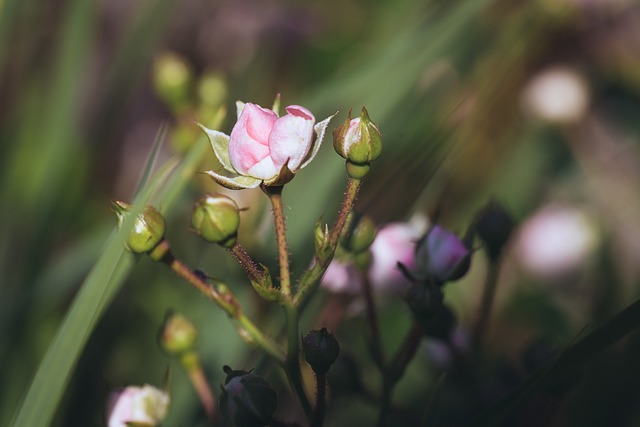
(394, 243)
(442, 256)
(556, 240)
(260, 143)
(141, 405)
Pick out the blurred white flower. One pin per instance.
(145, 406)
(556, 240)
(557, 95)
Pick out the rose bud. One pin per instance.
(321, 349)
(359, 141)
(247, 400)
(361, 234)
(442, 256)
(148, 228)
(137, 406)
(216, 218)
(178, 335)
(494, 225)
(173, 80)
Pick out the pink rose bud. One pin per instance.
(261, 143)
(145, 406)
(442, 256)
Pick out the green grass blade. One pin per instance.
(102, 284)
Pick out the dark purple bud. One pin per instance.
(321, 349)
(442, 256)
(494, 225)
(247, 400)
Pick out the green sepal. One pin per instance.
(320, 129)
(233, 181)
(264, 287)
(220, 144)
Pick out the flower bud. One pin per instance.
(442, 256)
(494, 226)
(178, 335)
(216, 218)
(247, 400)
(133, 406)
(212, 89)
(360, 235)
(359, 141)
(148, 229)
(173, 79)
(321, 349)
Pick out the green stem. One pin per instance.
(486, 304)
(191, 363)
(275, 195)
(248, 330)
(311, 278)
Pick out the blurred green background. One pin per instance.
(535, 103)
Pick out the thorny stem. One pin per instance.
(247, 330)
(488, 295)
(275, 195)
(292, 365)
(250, 267)
(319, 411)
(311, 278)
(350, 195)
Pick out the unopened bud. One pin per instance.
(173, 79)
(247, 400)
(212, 89)
(321, 349)
(494, 226)
(442, 256)
(148, 228)
(361, 234)
(138, 406)
(216, 218)
(359, 141)
(178, 335)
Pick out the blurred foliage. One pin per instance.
(445, 81)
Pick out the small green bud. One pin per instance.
(178, 335)
(148, 229)
(216, 218)
(173, 79)
(247, 399)
(212, 89)
(361, 234)
(359, 141)
(321, 349)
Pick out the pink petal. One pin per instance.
(248, 142)
(292, 137)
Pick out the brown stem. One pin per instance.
(320, 409)
(275, 195)
(250, 267)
